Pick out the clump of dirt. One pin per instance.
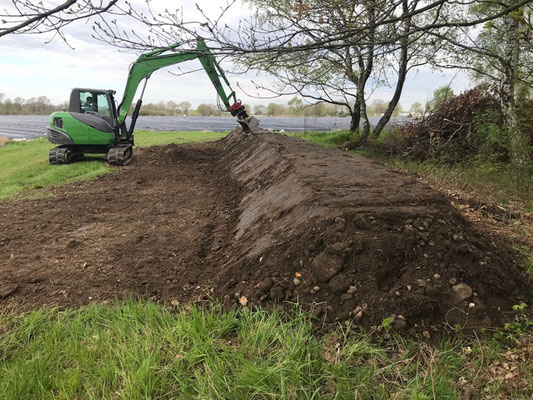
(258, 220)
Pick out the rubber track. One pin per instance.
(120, 155)
(60, 155)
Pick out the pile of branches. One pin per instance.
(457, 130)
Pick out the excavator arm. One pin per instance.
(150, 62)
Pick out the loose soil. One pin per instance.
(257, 220)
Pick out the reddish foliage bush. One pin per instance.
(458, 129)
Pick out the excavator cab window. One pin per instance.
(102, 105)
(95, 103)
(88, 102)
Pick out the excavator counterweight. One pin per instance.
(94, 124)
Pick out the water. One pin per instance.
(28, 126)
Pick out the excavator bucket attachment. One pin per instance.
(250, 125)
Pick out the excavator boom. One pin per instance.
(149, 62)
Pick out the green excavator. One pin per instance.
(95, 124)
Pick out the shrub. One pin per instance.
(464, 127)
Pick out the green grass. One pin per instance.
(153, 138)
(528, 266)
(24, 165)
(141, 350)
(327, 139)
(489, 183)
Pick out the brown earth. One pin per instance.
(260, 220)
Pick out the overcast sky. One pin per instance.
(32, 68)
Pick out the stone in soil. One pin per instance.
(326, 266)
(462, 291)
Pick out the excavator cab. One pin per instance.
(94, 107)
(90, 101)
(89, 126)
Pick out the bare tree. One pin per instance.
(252, 35)
(35, 17)
(335, 51)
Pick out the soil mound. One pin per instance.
(257, 220)
(350, 239)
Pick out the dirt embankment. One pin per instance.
(260, 220)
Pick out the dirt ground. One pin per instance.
(254, 221)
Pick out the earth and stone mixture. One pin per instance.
(260, 220)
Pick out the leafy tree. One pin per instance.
(185, 106)
(172, 107)
(416, 108)
(7, 107)
(440, 96)
(377, 107)
(260, 109)
(205, 110)
(274, 110)
(17, 104)
(317, 110)
(43, 104)
(248, 108)
(295, 106)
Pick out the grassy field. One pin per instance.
(24, 165)
(141, 350)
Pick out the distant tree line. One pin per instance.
(293, 108)
(32, 106)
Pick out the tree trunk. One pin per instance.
(356, 117)
(366, 65)
(402, 74)
(365, 129)
(518, 142)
